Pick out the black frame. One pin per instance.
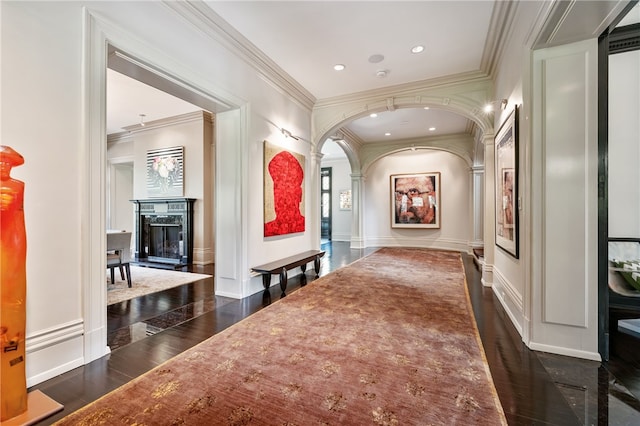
(506, 145)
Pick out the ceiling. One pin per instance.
(370, 38)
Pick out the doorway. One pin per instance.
(144, 107)
(325, 203)
(619, 229)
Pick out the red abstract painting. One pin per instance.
(283, 191)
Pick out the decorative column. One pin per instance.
(489, 210)
(477, 202)
(13, 288)
(314, 197)
(357, 190)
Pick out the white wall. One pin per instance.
(65, 154)
(624, 144)
(550, 292)
(455, 196)
(509, 277)
(193, 132)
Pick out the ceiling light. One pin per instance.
(426, 107)
(373, 115)
(339, 67)
(417, 49)
(431, 129)
(142, 116)
(387, 134)
(382, 73)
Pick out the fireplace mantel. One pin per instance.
(164, 231)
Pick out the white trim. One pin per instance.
(93, 189)
(502, 295)
(509, 289)
(487, 274)
(594, 356)
(54, 372)
(426, 242)
(54, 335)
(210, 23)
(48, 344)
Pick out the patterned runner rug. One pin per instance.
(387, 340)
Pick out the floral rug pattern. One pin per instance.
(387, 340)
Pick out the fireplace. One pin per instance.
(164, 231)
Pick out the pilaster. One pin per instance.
(357, 191)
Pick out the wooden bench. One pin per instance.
(283, 265)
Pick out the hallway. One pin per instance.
(534, 388)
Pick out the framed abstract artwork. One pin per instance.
(506, 179)
(283, 191)
(345, 199)
(165, 172)
(415, 200)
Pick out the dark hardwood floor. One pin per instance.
(535, 388)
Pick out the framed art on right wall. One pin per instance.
(506, 180)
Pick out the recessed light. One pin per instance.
(426, 107)
(339, 67)
(387, 134)
(417, 49)
(431, 129)
(377, 58)
(373, 115)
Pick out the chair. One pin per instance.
(118, 254)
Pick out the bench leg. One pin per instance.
(283, 281)
(266, 281)
(316, 265)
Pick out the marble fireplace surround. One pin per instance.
(164, 231)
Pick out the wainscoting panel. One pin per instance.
(566, 166)
(564, 309)
(54, 351)
(510, 299)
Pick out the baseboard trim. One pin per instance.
(434, 243)
(54, 372)
(53, 351)
(593, 356)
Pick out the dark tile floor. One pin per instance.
(534, 388)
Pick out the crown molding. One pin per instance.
(406, 88)
(122, 137)
(500, 30)
(201, 16)
(624, 39)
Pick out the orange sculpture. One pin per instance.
(13, 288)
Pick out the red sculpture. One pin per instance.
(13, 288)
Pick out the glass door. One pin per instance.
(325, 203)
